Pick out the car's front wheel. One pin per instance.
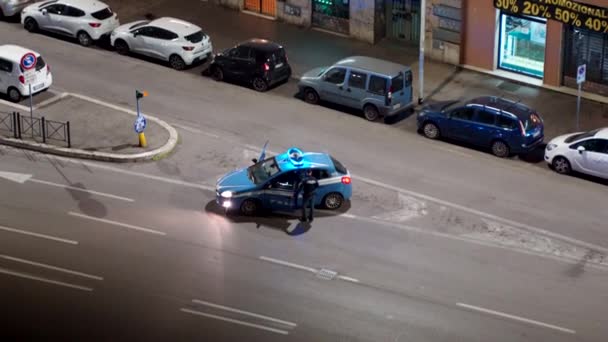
(121, 47)
(30, 25)
(84, 38)
(431, 130)
(217, 73)
(333, 201)
(249, 207)
(561, 165)
(311, 96)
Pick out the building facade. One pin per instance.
(545, 40)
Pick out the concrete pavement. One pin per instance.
(97, 130)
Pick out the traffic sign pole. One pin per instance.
(28, 63)
(31, 110)
(140, 122)
(578, 107)
(581, 75)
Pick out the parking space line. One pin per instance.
(92, 192)
(38, 235)
(235, 321)
(288, 264)
(116, 223)
(243, 312)
(50, 267)
(44, 280)
(516, 318)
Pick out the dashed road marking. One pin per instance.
(38, 235)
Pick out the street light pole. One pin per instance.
(421, 51)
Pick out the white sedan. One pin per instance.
(585, 152)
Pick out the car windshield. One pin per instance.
(196, 37)
(580, 136)
(262, 171)
(140, 24)
(103, 14)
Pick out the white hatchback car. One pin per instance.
(585, 152)
(12, 78)
(179, 42)
(86, 20)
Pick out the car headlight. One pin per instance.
(226, 194)
(551, 147)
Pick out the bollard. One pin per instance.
(19, 124)
(15, 125)
(67, 126)
(142, 140)
(43, 130)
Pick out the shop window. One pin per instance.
(586, 47)
(332, 8)
(522, 45)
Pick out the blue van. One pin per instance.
(506, 127)
(378, 87)
(270, 183)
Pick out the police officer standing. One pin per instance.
(308, 185)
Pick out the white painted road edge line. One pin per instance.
(235, 321)
(288, 264)
(44, 280)
(243, 312)
(42, 236)
(194, 130)
(352, 280)
(120, 224)
(126, 199)
(50, 267)
(516, 318)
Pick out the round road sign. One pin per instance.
(28, 61)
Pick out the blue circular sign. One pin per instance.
(140, 124)
(28, 61)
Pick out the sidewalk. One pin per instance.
(310, 48)
(98, 130)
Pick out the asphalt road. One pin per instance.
(139, 251)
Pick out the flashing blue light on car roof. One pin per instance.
(296, 156)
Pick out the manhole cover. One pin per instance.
(326, 274)
(509, 86)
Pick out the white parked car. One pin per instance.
(585, 152)
(179, 42)
(12, 77)
(86, 20)
(9, 8)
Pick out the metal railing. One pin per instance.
(35, 127)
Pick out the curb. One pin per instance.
(101, 156)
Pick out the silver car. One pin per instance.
(86, 20)
(9, 8)
(179, 42)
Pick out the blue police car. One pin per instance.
(270, 183)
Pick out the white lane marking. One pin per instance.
(243, 312)
(516, 318)
(55, 98)
(235, 321)
(50, 267)
(483, 214)
(15, 176)
(352, 280)
(92, 192)
(44, 280)
(120, 224)
(38, 235)
(288, 264)
(15, 105)
(195, 130)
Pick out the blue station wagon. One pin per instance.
(270, 183)
(504, 126)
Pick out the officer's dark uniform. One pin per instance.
(308, 185)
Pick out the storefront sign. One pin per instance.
(566, 11)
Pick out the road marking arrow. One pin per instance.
(15, 177)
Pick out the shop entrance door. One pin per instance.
(267, 7)
(403, 20)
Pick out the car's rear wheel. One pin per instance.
(84, 39)
(311, 96)
(250, 207)
(30, 25)
(561, 165)
(177, 62)
(431, 130)
(121, 47)
(259, 84)
(333, 201)
(370, 112)
(217, 73)
(500, 149)
(13, 94)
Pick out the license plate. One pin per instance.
(398, 105)
(38, 86)
(279, 65)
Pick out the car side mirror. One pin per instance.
(135, 34)
(254, 160)
(268, 186)
(44, 11)
(580, 149)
